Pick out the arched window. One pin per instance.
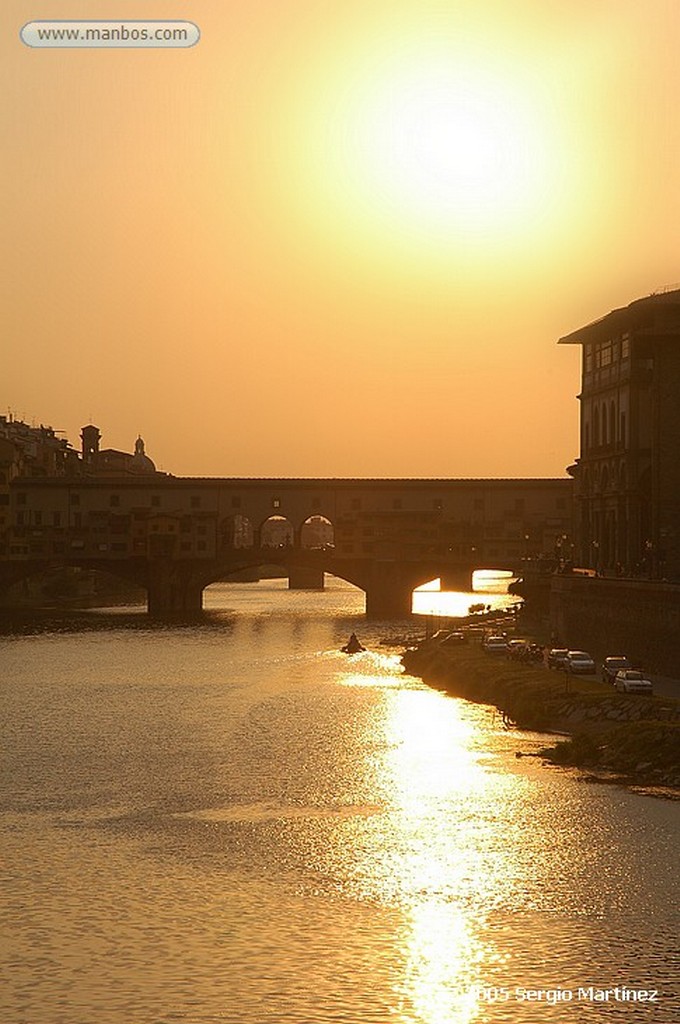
(277, 532)
(317, 532)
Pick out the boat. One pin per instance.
(353, 645)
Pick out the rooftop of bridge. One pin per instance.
(165, 480)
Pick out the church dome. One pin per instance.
(141, 463)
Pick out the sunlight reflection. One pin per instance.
(373, 669)
(437, 776)
(441, 962)
(489, 584)
(431, 750)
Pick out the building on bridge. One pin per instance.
(627, 476)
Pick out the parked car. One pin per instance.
(516, 649)
(495, 645)
(454, 639)
(579, 663)
(610, 666)
(630, 680)
(557, 657)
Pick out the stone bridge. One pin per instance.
(176, 535)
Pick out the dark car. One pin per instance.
(557, 657)
(613, 664)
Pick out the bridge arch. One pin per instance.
(317, 533)
(276, 531)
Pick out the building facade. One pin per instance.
(627, 476)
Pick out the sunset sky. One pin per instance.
(333, 238)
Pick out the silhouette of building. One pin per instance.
(627, 476)
(96, 461)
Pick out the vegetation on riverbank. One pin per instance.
(634, 738)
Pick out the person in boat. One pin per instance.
(353, 645)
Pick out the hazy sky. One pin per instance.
(333, 238)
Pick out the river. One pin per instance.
(233, 822)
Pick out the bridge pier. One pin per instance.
(456, 579)
(389, 593)
(305, 578)
(172, 590)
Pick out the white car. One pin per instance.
(579, 662)
(495, 645)
(630, 680)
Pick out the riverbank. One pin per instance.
(619, 738)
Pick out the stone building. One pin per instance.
(627, 476)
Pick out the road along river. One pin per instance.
(231, 821)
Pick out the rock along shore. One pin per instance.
(622, 738)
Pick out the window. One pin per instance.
(114, 500)
(56, 519)
(74, 498)
(276, 503)
(37, 518)
(625, 346)
(606, 355)
(622, 437)
(21, 518)
(21, 499)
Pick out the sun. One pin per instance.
(451, 148)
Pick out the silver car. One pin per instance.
(579, 662)
(630, 680)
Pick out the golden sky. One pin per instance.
(333, 238)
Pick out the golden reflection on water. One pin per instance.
(440, 958)
(444, 805)
(433, 765)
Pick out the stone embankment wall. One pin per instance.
(611, 616)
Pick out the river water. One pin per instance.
(233, 822)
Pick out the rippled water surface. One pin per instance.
(231, 821)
